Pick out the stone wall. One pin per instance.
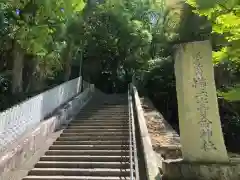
(181, 170)
(21, 117)
(165, 140)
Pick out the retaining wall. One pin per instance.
(16, 120)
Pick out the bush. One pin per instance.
(161, 88)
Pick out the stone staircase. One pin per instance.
(94, 146)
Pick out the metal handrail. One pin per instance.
(130, 135)
(132, 140)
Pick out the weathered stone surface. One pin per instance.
(165, 140)
(19, 118)
(200, 129)
(182, 170)
(25, 147)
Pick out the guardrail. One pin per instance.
(134, 171)
(17, 119)
(152, 171)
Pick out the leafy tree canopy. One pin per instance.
(224, 16)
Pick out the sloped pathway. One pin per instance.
(165, 140)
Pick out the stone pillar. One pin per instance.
(200, 128)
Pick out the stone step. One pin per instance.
(88, 147)
(89, 152)
(86, 123)
(102, 117)
(79, 172)
(98, 122)
(85, 158)
(101, 107)
(105, 106)
(82, 126)
(78, 128)
(108, 116)
(101, 120)
(81, 164)
(107, 112)
(75, 178)
(119, 142)
(106, 133)
(98, 129)
(92, 138)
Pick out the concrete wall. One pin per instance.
(21, 117)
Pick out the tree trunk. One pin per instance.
(81, 62)
(31, 73)
(38, 83)
(114, 77)
(67, 58)
(17, 80)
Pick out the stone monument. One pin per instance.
(200, 128)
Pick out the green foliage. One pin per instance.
(33, 24)
(233, 94)
(121, 34)
(225, 20)
(40, 30)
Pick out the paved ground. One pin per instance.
(20, 173)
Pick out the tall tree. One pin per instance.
(34, 27)
(224, 17)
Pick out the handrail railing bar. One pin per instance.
(134, 140)
(130, 135)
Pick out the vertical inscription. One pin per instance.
(200, 83)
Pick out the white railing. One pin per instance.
(16, 120)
